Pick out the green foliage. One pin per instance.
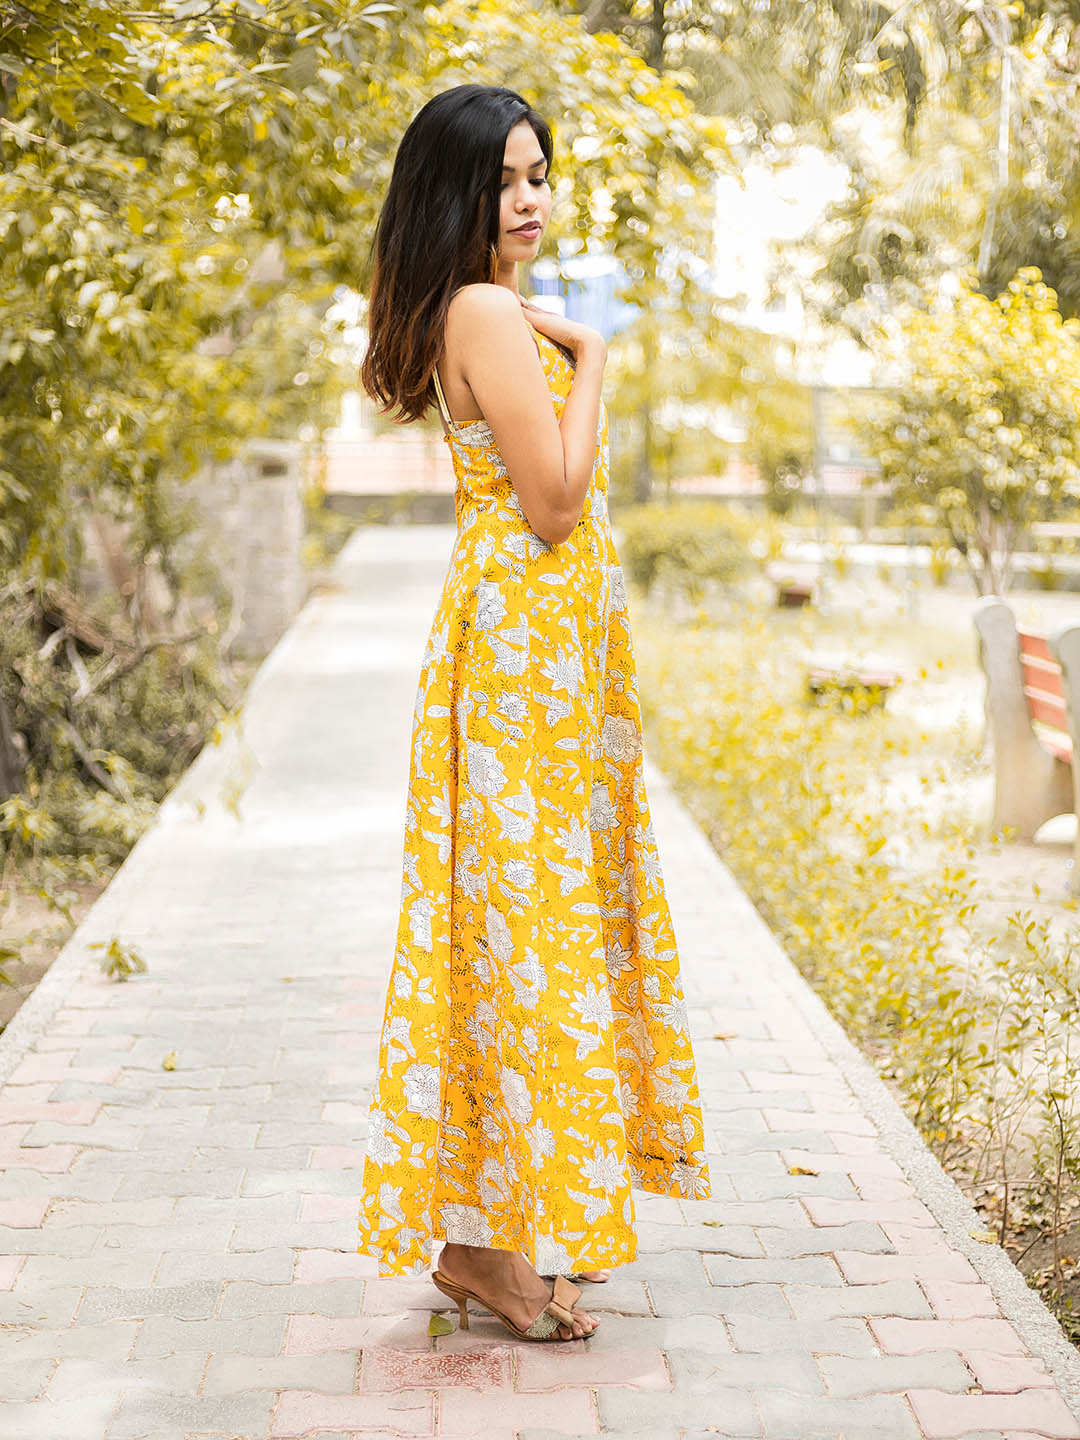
(185, 186)
(7, 953)
(941, 563)
(960, 155)
(633, 164)
(784, 791)
(848, 694)
(684, 545)
(957, 125)
(674, 370)
(1039, 985)
(1047, 574)
(983, 433)
(795, 62)
(780, 438)
(105, 734)
(325, 530)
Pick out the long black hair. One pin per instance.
(438, 230)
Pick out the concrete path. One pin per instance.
(178, 1244)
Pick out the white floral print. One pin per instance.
(421, 1083)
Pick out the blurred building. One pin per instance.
(372, 471)
(584, 288)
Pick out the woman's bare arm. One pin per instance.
(549, 461)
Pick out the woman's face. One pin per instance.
(525, 198)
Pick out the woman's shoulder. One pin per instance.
(483, 303)
(488, 316)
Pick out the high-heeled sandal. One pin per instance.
(558, 1310)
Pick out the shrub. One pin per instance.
(1047, 574)
(982, 427)
(879, 911)
(685, 545)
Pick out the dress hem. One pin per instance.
(648, 1174)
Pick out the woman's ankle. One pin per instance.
(471, 1256)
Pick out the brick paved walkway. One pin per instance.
(178, 1254)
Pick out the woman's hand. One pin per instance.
(576, 337)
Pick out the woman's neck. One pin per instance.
(507, 274)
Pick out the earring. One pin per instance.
(494, 269)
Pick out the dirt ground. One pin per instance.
(33, 928)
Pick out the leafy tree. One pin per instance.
(958, 125)
(151, 154)
(184, 187)
(982, 430)
(961, 150)
(709, 368)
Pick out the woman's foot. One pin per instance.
(511, 1283)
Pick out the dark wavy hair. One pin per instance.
(438, 230)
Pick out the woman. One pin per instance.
(535, 1059)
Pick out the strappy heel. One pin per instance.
(558, 1310)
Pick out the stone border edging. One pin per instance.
(1022, 1306)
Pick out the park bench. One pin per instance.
(790, 594)
(834, 676)
(1033, 715)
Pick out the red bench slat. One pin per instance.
(1036, 646)
(1047, 708)
(1038, 666)
(1044, 672)
(1045, 693)
(1058, 744)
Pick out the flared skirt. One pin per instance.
(535, 1062)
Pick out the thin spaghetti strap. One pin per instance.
(447, 417)
(441, 398)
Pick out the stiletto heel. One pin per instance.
(463, 1313)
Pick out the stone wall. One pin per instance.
(253, 531)
(247, 537)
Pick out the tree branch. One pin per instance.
(104, 779)
(116, 668)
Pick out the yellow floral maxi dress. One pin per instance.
(535, 1061)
